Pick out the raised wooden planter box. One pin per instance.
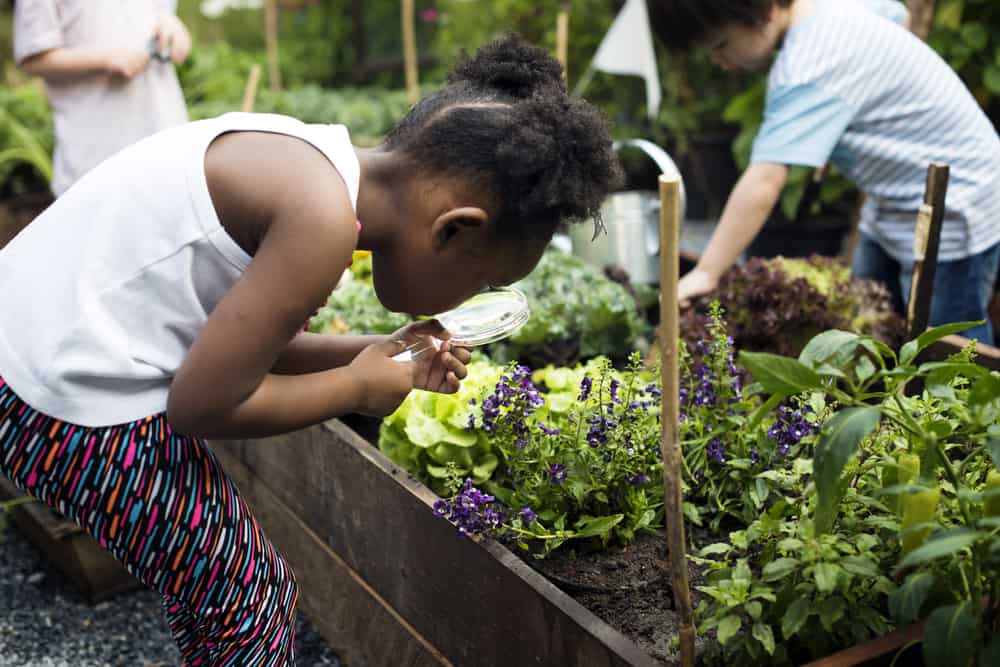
(388, 583)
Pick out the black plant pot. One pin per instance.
(824, 235)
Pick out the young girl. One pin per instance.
(160, 302)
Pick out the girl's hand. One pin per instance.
(383, 381)
(126, 63)
(439, 370)
(173, 38)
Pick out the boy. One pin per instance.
(105, 89)
(851, 87)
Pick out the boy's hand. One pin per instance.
(439, 370)
(126, 63)
(173, 38)
(695, 283)
(383, 381)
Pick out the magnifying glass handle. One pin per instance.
(414, 350)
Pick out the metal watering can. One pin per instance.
(632, 219)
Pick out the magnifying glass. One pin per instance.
(483, 319)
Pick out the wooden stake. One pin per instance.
(670, 223)
(410, 50)
(271, 40)
(926, 243)
(250, 93)
(562, 39)
(921, 16)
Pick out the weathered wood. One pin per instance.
(921, 16)
(670, 225)
(925, 266)
(271, 44)
(408, 19)
(474, 601)
(358, 624)
(93, 570)
(250, 92)
(986, 355)
(562, 39)
(880, 647)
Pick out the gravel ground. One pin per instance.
(45, 622)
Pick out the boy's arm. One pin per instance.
(39, 48)
(748, 208)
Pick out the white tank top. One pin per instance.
(102, 295)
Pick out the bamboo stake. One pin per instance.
(250, 92)
(927, 239)
(410, 51)
(271, 40)
(670, 223)
(562, 39)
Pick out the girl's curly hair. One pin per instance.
(505, 122)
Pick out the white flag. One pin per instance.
(628, 49)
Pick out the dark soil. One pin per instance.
(627, 587)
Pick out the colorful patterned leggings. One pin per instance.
(162, 505)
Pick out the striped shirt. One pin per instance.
(852, 88)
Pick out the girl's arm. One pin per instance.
(65, 63)
(282, 191)
(748, 208)
(309, 352)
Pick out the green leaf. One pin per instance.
(779, 568)
(905, 602)
(950, 635)
(860, 566)
(831, 610)
(949, 15)
(600, 525)
(762, 632)
(993, 447)
(991, 78)
(715, 549)
(945, 544)
(754, 609)
(840, 439)
(728, 627)
(826, 576)
(795, 617)
(929, 337)
(835, 345)
(780, 375)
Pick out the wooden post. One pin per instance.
(921, 16)
(410, 51)
(670, 223)
(271, 40)
(562, 39)
(250, 93)
(927, 238)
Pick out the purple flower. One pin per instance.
(558, 473)
(548, 431)
(615, 384)
(472, 422)
(471, 511)
(754, 456)
(715, 450)
(585, 387)
(637, 478)
(528, 515)
(789, 429)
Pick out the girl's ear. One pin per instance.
(463, 224)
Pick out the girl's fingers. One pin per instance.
(454, 365)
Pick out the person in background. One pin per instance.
(849, 85)
(108, 68)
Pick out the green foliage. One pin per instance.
(26, 133)
(429, 436)
(353, 307)
(967, 34)
(576, 313)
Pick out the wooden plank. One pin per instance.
(925, 266)
(880, 647)
(408, 20)
(94, 571)
(986, 355)
(473, 600)
(356, 622)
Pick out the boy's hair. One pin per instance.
(682, 24)
(505, 123)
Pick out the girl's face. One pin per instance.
(742, 47)
(429, 278)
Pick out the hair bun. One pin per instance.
(510, 65)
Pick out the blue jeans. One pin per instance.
(962, 288)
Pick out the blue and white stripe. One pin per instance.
(850, 87)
